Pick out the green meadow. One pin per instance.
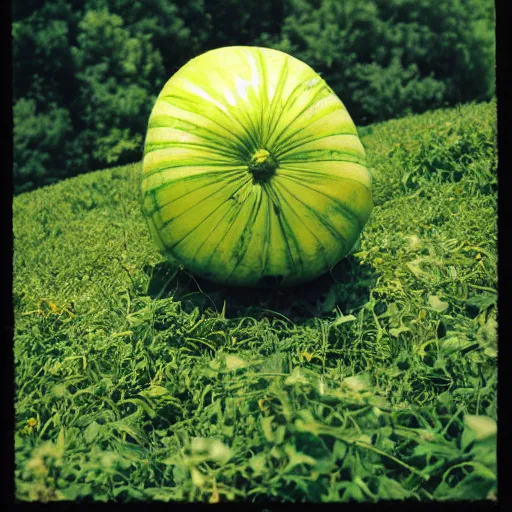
(134, 380)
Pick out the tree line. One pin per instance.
(86, 73)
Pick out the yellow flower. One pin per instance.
(214, 498)
(307, 356)
(32, 422)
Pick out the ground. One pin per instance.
(136, 381)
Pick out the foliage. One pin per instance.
(390, 58)
(381, 92)
(93, 69)
(45, 130)
(137, 382)
(116, 73)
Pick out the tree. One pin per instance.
(386, 58)
(43, 85)
(117, 73)
(45, 131)
(86, 72)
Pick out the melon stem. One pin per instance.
(262, 165)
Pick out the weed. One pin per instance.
(137, 381)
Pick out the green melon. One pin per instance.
(253, 173)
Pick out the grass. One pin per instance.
(135, 381)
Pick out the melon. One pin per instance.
(253, 172)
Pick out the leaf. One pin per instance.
(141, 405)
(343, 319)
(219, 452)
(314, 446)
(258, 463)
(357, 246)
(60, 390)
(59, 446)
(197, 478)
(330, 300)
(228, 430)
(450, 344)
(19, 441)
(211, 449)
(92, 431)
(353, 491)
(228, 362)
(216, 364)
(490, 352)
(414, 267)
(275, 363)
(132, 492)
(379, 402)
(487, 334)
(161, 493)
(482, 301)
(72, 491)
(365, 438)
(277, 452)
(324, 467)
(279, 434)
(306, 422)
(136, 433)
(467, 438)
(266, 425)
(340, 449)
(296, 377)
(437, 449)
(392, 311)
(234, 362)
(296, 458)
(155, 391)
(179, 475)
(396, 332)
(482, 426)
(357, 382)
(485, 452)
(475, 486)
(109, 459)
(391, 490)
(437, 304)
(132, 452)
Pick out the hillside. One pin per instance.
(136, 381)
